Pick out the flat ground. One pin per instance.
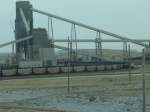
(111, 93)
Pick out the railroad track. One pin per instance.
(115, 73)
(25, 109)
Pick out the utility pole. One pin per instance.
(143, 82)
(68, 64)
(129, 61)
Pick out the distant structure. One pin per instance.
(35, 46)
(23, 28)
(37, 49)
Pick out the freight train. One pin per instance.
(73, 67)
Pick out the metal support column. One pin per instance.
(129, 61)
(98, 46)
(51, 30)
(13, 49)
(73, 43)
(125, 51)
(143, 82)
(69, 64)
(48, 26)
(149, 47)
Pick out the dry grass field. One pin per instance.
(15, 95)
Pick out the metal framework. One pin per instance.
(125, 50)
(50, 27)
(27, 28)
(89, 27)
(73, 44)
(73, 37)
(16, 41)
(98, 45)
(77, 40)
(102, 40)
(51, 31)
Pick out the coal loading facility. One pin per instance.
(61, 58)
(36, 48)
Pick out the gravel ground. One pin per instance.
(38, 99)
(82, 104)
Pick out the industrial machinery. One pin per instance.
(35, 48)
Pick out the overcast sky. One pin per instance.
(129, 18)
